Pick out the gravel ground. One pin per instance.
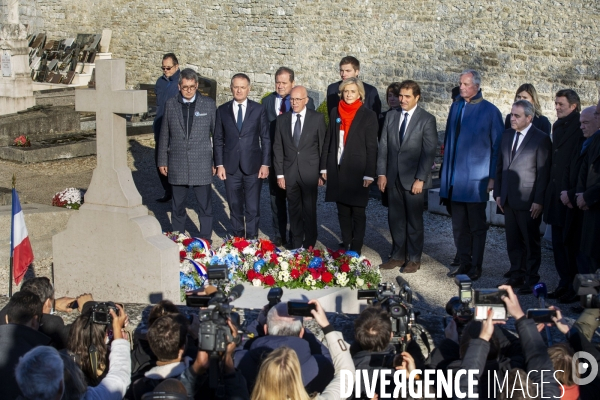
(37, 183)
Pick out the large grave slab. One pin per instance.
(41, 124)
(80, 145)
(112, 247)
(335, 299)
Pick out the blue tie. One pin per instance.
(403, 128)
(239, 118)
(297, 130)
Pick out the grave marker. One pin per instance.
(112, 247)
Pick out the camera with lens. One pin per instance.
(101, 312)
(459, 307)
(214, 333)
(587, 286)
(398, 305)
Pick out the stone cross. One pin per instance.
(112, 183)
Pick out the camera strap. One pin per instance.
(93, 352)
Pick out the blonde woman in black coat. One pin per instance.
(351, 146)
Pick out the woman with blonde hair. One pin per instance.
(280, 375)
(527, 92)
(351, 151)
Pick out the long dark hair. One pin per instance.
(82, 335)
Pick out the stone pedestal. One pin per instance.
(117, 254)
(16, 91)
(335, 299)
(112, 247)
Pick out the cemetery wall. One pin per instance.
(551, 43)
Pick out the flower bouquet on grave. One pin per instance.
(309, 269)
(69, 198)
(193, 254)
(22, 141)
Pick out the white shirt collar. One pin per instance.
(302, 114)
(524, 131)
(410, 112)
(188, 101)
(243, 103)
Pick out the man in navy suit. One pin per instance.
(275, 104)
(242, 151)
(298, 156)
(522, 175)
(350, 68)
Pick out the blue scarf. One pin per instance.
(588, 141)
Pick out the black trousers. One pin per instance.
(523, 244)
(565, 261)
(302, 205)
(279, 212)
(405, 218)
(469, 226)
(243, 192)
(179, 215)
(353, 223)
(164, 181)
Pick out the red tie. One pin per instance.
(282, 106)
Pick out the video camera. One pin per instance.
(459, 307)
(399, 306)
(587, 286)
(214, 333)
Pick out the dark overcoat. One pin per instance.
(589, 185)
(359, 159)
(565, 136)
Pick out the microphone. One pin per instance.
(541, 291)
(401, 282)
(235, 293)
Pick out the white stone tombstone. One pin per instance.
(112, 248)
(16, 89)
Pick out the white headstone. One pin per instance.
(112, 248)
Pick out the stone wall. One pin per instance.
(551, 43)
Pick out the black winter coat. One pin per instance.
(359, 159)
(589, 185)
(565, 136)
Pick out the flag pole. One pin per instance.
(10, 272)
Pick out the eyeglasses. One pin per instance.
(167, 68)
(189, 88)
(297, 100)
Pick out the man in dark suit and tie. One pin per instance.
(242, 150)
(406, 152)
(297, 159)
(276, 104)
(522, 175)
(350, 68)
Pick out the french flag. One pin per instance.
(20, 248)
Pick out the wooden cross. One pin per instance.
(112, 183)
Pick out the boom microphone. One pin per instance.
(541, 291)
(236, 293)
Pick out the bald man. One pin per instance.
(297, 159)
(588, 194)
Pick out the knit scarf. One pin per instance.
(347, 112)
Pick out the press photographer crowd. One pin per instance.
(213, 356)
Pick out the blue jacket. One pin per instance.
(470, 159)
(165, 88)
